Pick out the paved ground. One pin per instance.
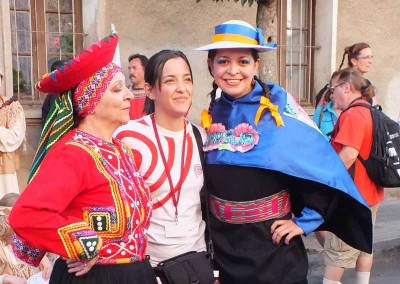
(386, 268)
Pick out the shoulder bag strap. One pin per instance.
(199, 140)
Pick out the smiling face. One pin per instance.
(113, 107)
(234, 70)
(172, 92)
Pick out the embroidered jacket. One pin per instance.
(86, 199)
(236, 138)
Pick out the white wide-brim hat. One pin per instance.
(238, 34)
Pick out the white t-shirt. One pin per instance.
(166, 237)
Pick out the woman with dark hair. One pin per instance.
(166, 152)
(359, 56)
(265, 191)
(86, 200)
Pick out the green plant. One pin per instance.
(243, 2)
(18, 80)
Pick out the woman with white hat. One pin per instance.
(86, 200)
(265, 191)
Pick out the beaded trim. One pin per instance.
(79, 241)
(25, 252)
(241, 212)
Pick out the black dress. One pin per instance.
(245, 253)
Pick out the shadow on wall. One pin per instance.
(391, 102)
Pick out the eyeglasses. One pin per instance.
(332, 88)
(365, 57)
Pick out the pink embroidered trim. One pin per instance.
(89, 92)
(25, 252)
(242, 138)
(240, 212)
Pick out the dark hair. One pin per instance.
(356, 80)
(143, 58)
(154, 69)
(212, 94)
(352, 52)
(57, 64)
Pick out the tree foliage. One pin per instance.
(243, 2)
(267, 21)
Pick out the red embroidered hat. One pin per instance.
(80, 67)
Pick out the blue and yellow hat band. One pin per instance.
(238, 33)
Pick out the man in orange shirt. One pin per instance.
(352, 136)
(137, 63)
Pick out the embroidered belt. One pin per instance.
(240, 212)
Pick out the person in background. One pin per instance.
(166, 152)
(13, 270)
(264, 191)
(12, 135)
(325, 116)
(359, 57)
(137, 64)
(349, 87)
(85, 194)
(50, 98)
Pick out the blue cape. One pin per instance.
(297, 149)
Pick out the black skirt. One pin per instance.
(245, 253)
(130, 273)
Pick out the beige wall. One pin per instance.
(149, 26)
(377, 23)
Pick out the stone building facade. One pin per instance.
(148, 26)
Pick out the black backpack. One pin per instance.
(383, 163)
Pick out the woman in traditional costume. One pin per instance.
(86, 200)
(271, 175)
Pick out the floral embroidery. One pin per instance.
(25, 252)
(242, 138)
(120, 228)
(293, 109)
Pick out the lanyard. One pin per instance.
(177, 188)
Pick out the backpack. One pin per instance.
(383, 163)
